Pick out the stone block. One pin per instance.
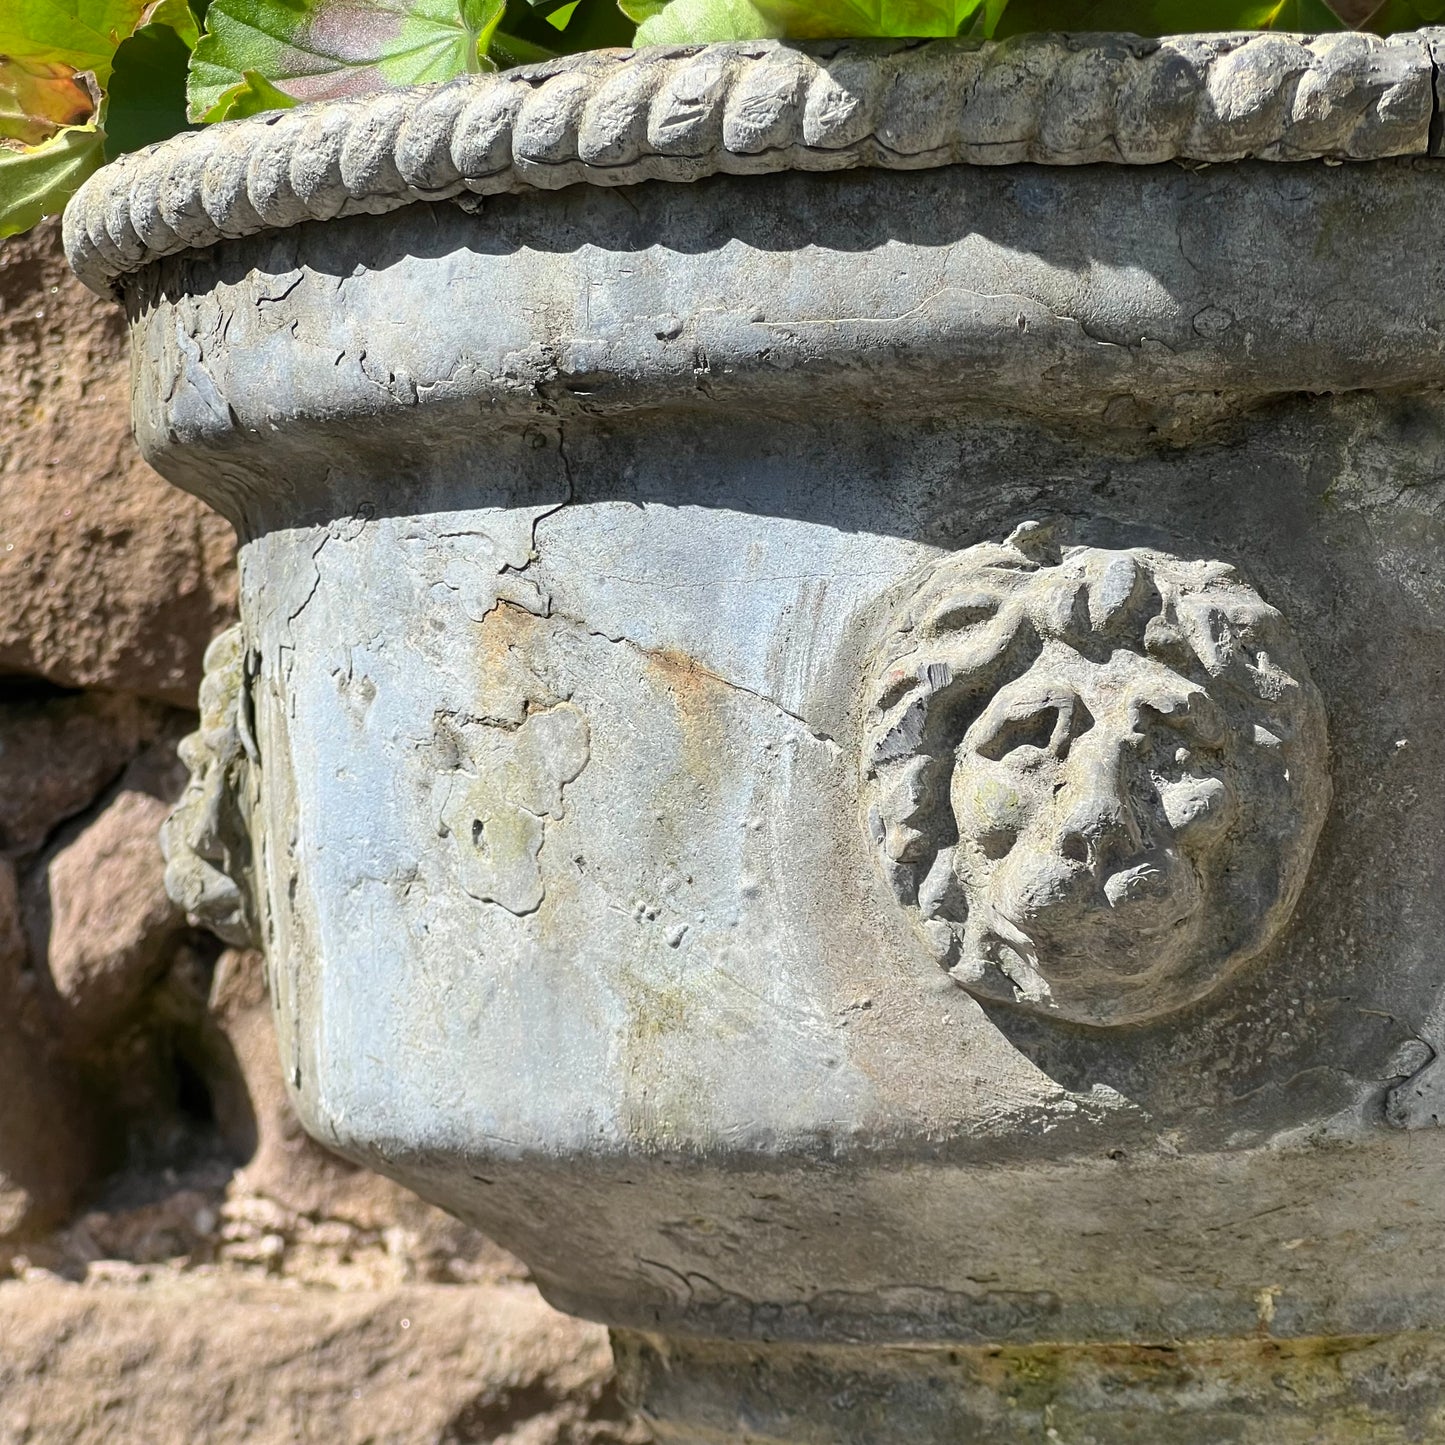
(58, 754)
(101, 918)
(108, 578)
(48, 1149)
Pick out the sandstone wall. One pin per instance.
(177, 1261)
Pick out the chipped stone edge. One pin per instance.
(619, 117)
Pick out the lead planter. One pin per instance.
(848, 763)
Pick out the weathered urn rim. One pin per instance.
(619, 117)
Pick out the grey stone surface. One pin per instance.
(577, 533)
(618, 117)
(1221, 1392)
(660, 468)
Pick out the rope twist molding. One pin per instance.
(751, 108)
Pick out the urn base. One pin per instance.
(1263, 1391)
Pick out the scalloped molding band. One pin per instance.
(678, 114)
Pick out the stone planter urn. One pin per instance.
(836, 729)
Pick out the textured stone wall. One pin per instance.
(177, 1260)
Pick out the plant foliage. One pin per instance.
(82, 81)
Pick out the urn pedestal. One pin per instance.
(849, 763)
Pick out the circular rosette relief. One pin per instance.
(1096, 778)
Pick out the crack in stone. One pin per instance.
(315, 581)
(1435, 131)
(813, 731)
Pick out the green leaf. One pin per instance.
(252, 96)
(1167, 17)
(639, 11)
(147, 90)
(79, 33)
(595, 25)
(178, 15)
(1300, 15)
(807, 19)
(556, 13)
(37, 98)
(482, 17)
(37, 181)
(322, 49)
(690, 21)
(528, 33)
(509, 49)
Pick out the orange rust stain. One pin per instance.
(699, 702)
(506, 626)
(508, 639)
(678, 672)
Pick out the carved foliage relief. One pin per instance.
(207, 840)
(1095, 778)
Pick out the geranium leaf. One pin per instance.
(252, 96)
(178, 15)
(80, 33)
(1296, 15)
(1167, 17)
(38, 97)
(810, 19)
(593, 25)
(510, 49)
(147, 96)
(528, 34)
(323, 49)
(36, 181)
(482, 17)
(690, 21)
